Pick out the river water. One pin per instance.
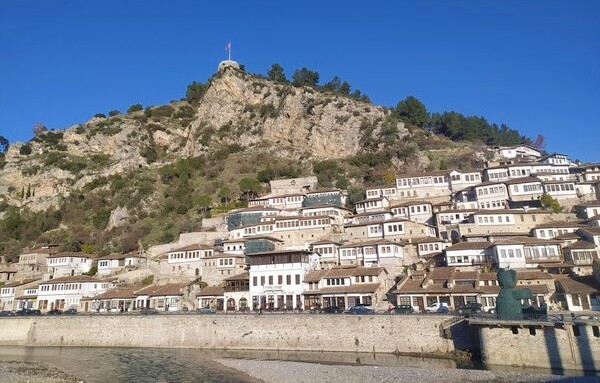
(191, 365)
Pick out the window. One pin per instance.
(297, 279)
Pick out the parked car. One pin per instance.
(54, 312)
(402, 309)
(361, 310)
(206, 310)
(148, 311)
(330, 310)
(439, 308)
(71, 311)
(5, 313)
(469, 308)
(27, 312)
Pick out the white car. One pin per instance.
(437, 308)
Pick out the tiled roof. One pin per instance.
(325, 242)
(77, 278)
(469, 246)
(580, 245)
(341, 272)
(527, 241)
(559, 224)
(119, 293)
(161, 290)
(409, 203)
(196, 246)
(71, 254)
(579, 285)
(21, 283)
(523, 180)
(210, 291)
(357, 288)
(239, 277)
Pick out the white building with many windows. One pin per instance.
(67, 292)
(277, 277)
(68, 264)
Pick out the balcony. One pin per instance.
(272, 288)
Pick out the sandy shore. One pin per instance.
(290, 372)
(33, 372)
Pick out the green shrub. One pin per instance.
(113, 113)
(148, 280)
(186, 111)
(100, 115)
(163, 111)
(150, 154)
(25, 150)
(195, 91)
(135, 108)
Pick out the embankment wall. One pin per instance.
(372, 333)
(557, 348)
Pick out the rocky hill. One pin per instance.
(150, 165)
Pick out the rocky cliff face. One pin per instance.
(293, 120)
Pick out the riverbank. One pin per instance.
(270, 371)
(33, 372)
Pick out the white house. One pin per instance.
(327, 250)
(281, 201)
(578, 293)
(524, 189)
(560, 189)
(69, 264)
(491, 195)
(11, 292)
(236, 292)
(345, 286)
(413, 210)
(115, 263)
(276, 278)
(372, 205)
(468, 254)
(187, 260)
(66, 292)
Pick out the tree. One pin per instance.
(225, 194)
(135, 108)
(39, 128)
(113, 113)
(345, 88)
(195, 91)
(250, 187)
(305, 77)
(276, 73)
(25, 149)
(100, 115)
(203, 203)
(4, 144)
(334, 85)
(539, 143)
(550, 203)
(412, 111)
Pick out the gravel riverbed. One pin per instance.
(291, 372)
(33, 372)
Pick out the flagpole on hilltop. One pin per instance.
(230, 51)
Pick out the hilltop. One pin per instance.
(159, 170)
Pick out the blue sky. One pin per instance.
(534, 65)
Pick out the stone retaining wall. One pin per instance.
(375, 333)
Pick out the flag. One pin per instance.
(228, 46)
